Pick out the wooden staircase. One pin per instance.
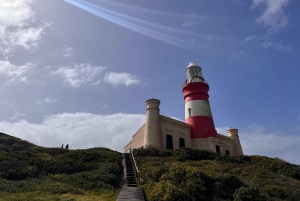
(130, 174)
(130, 191)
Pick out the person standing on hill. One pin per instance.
(67, 146)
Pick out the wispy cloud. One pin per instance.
(116, 79)
(209, 37)
(47, 100)
(16, 28)
(238, 54)
(103, 107)
(68, 51)
(78, 74)
(239, 2)
(12, 106)
(273, 16)
(277, 46)
(191, 21)
(248, 38)
(13, 73)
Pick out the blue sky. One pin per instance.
(79, 72)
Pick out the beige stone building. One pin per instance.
(196, 132)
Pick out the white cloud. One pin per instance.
(176, 119)
(273, 16)
(256, 140)
(121, 79)
(26, 38)
(68, 51)
(78, 74)
(248, 38)
(12, 106)
(277, 46)
(13, 73)
(190, 21)
(222, 130)
(79, 130)
(16, 18)
(48, 100)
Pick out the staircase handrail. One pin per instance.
(135, 167)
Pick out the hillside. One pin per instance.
(188, 174)
(30, 172)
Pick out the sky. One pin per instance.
(78, 72)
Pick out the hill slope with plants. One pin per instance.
(30, 172)
(189, 174)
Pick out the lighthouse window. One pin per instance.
(218, 149)
(181, 143)
(190, 112)
(169, 142)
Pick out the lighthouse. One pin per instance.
(197, 109)
(197, 132)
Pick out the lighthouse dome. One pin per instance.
(192, 64)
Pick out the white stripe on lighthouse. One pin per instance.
(197, 108)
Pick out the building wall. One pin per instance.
(137, 139)
(210, 143)
(175, 128)
(180, 129)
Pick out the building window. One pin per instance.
(181, 143)
(218, 149)
(227, 152)
(169, 142)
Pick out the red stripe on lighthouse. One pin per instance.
(195, 91)
(202, 127)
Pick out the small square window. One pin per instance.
(227, 152)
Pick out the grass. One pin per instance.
(38, 196)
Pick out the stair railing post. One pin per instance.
(137, 172)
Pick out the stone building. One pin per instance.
(198, 131)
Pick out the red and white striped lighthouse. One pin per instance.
(197, 109)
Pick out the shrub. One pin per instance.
(248, 194)
(194, 154)
(151, 151)
(276, 192)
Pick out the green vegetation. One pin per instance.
(29, 172)
(189, 174)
